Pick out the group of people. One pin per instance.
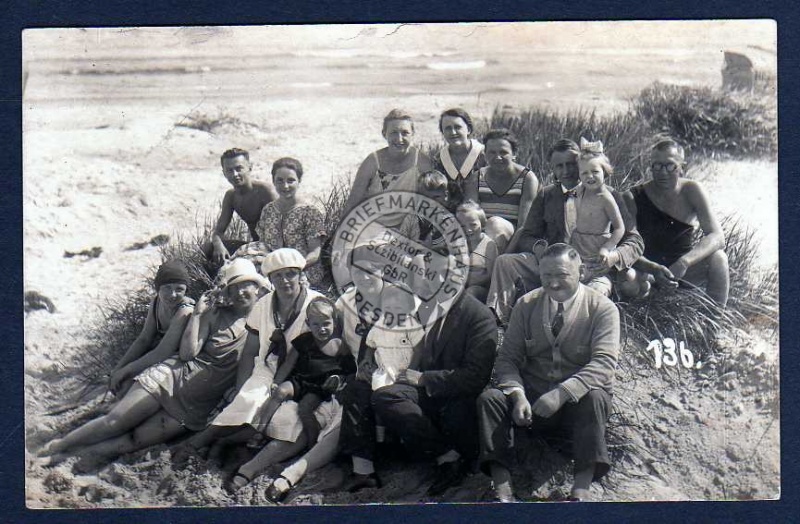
(271, 359)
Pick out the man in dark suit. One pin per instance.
(431, 407)
(551, 220)
(555, 371)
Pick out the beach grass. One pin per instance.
(716, 125)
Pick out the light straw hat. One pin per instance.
(239, 270)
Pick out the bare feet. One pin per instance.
(51, 448)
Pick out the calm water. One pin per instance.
(547, 60)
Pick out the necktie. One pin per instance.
(570, 213)
(558, 320)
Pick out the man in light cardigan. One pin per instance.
(554, 370)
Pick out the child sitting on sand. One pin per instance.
(315, 369)
(482, 249)
(599, 226)
(247, 198)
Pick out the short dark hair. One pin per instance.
(288, 163)
(233, 153)
(502, 134)
(562, 146)
(431, 180)
(456, 112)
(560, 249)
(396, 114)
(666, 144)
(322, 306)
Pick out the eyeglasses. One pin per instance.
(669, 166)
(285, 274)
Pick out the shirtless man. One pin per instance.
(667, 211)
(247, 198)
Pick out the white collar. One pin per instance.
(568, 302)
(564, 189)
(469, 162)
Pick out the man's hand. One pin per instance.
(664, 277)
(546, 405)
(521, 413)
(410, 377)
(220, 254)
(608, 258)
(539, 248)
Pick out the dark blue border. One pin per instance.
(20, 14)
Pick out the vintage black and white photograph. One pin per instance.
(505, 262)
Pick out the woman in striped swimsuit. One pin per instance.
(506, 189)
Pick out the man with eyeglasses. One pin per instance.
(667, 211)
(551, 220)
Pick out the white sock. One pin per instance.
(450, 456)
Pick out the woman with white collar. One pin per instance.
(461, 157)
(276, 320)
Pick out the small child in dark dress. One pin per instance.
(314, 369)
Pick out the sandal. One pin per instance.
(237, 482)
(275, 494)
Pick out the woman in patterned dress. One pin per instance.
(292, 222)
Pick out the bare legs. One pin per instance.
(717, 277)
(712, 273)
(157, 429)
(134, 408)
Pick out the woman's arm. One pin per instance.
(143, 341)
(166, 348)
(194, 337)
(530, 187)
(359, 190)
(247, 362)
(285, 368)
(315, 233)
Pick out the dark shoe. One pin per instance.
(277, 495)
(448, 475)
(358, 482)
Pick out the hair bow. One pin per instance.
(591, 147)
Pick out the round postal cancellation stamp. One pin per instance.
(398, 279)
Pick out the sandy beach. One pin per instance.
(109, 162)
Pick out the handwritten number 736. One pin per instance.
(666, 353)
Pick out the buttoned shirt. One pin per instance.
(570, 211)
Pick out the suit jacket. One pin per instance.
(583, 357)
(457, 360)
(545, 221)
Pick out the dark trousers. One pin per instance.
(428, 426)
(357, 434)
(584, 422)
